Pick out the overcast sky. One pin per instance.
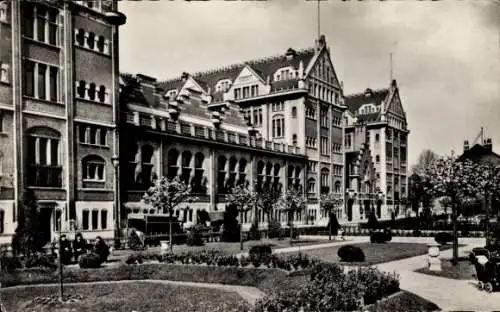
(446, 55)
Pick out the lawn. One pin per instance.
(230, 248)
(464, 270)
(403, 302)
(126, 297)
(374, 253)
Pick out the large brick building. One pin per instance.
(276, 120)
(58, 89)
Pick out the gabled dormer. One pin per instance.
(248, 84)
(286, 73)
(223, 85)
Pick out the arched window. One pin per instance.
(173, 167)
(93, 168)
(232, 173)
(100, 44)
(80, 90)
(290, 176)
(389, 191)
(269, 176)
(92, 92)
(294, 112)
(101, 94)
(186, 166)
(80, 37)
(276, 178)
(91, 40)
(242, 173)
(311, 185)
(44, 168)
(197, 186)
(260, 174)
(221, 175)
(147, 165)
(298, 182)
(278, 126)
(325, 181)
(294, 139)
(338, 187)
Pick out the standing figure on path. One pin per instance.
(101, 249)
(79, 245)
(65, 250)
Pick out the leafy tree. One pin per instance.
(244, 200)
(425, 161)
(460, 181)
(292, 201)
(167, 194)
(330, 203)
(267, 199)
(420, 192)
(27, 239)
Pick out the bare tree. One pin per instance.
(424, 161)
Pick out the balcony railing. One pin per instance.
(45, 176)
(199, 131)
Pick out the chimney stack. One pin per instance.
(184, 76)
(466, 146)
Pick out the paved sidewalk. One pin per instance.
(249, 294)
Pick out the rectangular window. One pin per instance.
(54, 152)
(53, 84)
(2, 217)
(95, 219)
(42, 151)
(4, 74)
(29, 78)
(104, 219)
(102, 138)
(85, 219)
(52, 26)
(82, 132)
(40, 19)
(42, 84)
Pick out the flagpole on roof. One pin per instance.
(319, 23)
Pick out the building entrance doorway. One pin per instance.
(350, 203)
(379, 208)
(45, 224)
(367, 208)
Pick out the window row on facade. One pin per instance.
(94, 219)
(92, 41)
(278, 126)
(245, 92)
(92, 92)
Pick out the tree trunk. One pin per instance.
(455, 234)
(241, 230)
(170, 233)
(61, 287)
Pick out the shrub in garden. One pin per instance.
(378, 237)
(417, 233)
(443, 238)
(259, 253)
(195, 236)
(349, 253)
(89, 261)
(465, 233)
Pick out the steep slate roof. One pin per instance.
(265, 68)
(355, 101)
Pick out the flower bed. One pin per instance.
(332, 289)
(289, 263)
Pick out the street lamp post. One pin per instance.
(116, 163)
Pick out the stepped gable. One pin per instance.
(369, 96)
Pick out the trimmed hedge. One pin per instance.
(11, 263)
(89, 261)
(350, 253)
